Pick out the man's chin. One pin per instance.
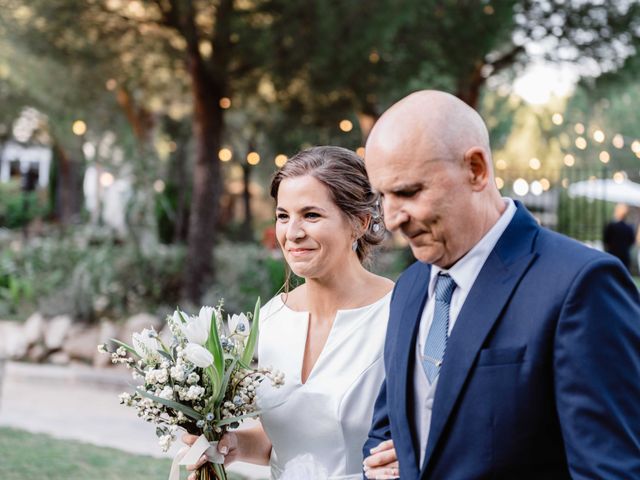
(426, 254)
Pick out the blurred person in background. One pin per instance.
(619, 236)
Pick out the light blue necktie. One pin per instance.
(436, 342)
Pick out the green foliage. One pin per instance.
(245, 271)
(41, 456)
(88, 276)
(583, 219)
(18, 208)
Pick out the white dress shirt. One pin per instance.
(464, 273)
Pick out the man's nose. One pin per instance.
(394, 215)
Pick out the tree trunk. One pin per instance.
(469, 87)
(247, 227)
(65, 204)
(207, 185)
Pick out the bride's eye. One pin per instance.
(281, 217)
(312, 215)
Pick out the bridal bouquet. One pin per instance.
(201, 381)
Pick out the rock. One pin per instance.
(56, 331)
(12, 342)
(81, 343)
(37, 353)
(34, 329)
(136, 324)
(59, 358)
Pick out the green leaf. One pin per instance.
(214, 379)
(215, 347)
(129, 349)
(181, 315)
(189, 412)
(166, 355)
(225, 380)
(228, 421)
(247, 355)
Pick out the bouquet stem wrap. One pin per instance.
(191, 455)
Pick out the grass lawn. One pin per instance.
(26, 455)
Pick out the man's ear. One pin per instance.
(476, 161)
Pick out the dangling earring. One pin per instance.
(354, 245)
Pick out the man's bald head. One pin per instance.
(431, 121)
(428, 156)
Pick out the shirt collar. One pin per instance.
(465, 270)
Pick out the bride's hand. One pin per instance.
(227, 446)
(382, 463)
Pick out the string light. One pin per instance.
(225, 154)
(346, 125)
(557, 119)
(253, 158)
(520, 187)
(618, 141)
(598, 136)
(569, 160)
(604, 156)
(535, 164)
(280, 160)
(79, 127)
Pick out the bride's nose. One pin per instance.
(295, 231)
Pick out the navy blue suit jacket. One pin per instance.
(541, 376)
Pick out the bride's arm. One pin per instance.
(251, 445)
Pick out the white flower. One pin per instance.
(197, 328)
(239, 325)
(178, 373)
(156, 376)
(146, 345)
(194, 392)
(166, 393)
(165, 442)
(198, 355)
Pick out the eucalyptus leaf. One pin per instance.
(240, 418)
(189, 412)
(166, 355)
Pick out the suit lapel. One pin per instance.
(491, 291)
(406, 340)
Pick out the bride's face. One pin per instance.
(314, 234)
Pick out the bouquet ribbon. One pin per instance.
(191, 455)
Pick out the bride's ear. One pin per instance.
(362, 226)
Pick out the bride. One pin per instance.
(327, 335)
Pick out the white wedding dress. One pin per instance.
(327, 418)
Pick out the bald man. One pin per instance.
(512, 352)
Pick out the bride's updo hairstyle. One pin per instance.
(343, 173)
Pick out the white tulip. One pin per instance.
(146, 345)
(239, 325)
(197, 328)
(198, 355)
